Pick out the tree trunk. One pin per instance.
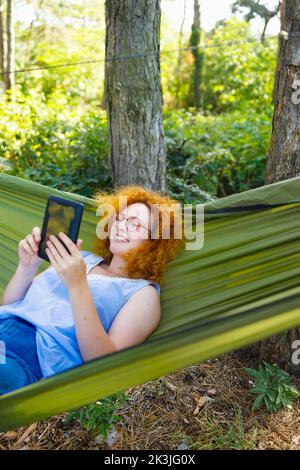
(195, 41)
(9, 77)
(2, 47)
(284, 153)
(178, 70)
(134, 94)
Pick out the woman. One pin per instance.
(86, 305)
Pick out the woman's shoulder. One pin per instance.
(155, 285)
(147, 284)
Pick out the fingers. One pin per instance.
(57, 248)
(36, 232)
(26, 247)
(56, 255)
(69, 244)
(32, 241)
(51, 258)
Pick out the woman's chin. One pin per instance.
(116, 246)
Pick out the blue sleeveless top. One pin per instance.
(47, 306)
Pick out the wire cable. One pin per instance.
(131, 56)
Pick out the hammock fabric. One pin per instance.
(242, 286)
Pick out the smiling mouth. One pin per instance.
(120, 239)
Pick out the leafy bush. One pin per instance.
(217, 155)
(52, 144)
(273, 387)
(100, 416)
(238, 69)
(207, 156)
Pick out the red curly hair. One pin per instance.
(149, 259)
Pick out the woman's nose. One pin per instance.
(121, 232)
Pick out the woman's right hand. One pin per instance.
(28, 248)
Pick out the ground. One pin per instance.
(205, 406)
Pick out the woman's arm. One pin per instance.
(29, 263)
(19, 284)
(93, 341)
(135, 322)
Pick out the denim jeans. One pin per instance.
(19, 364)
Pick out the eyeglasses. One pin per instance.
(132, 223)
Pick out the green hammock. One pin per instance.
(241, 287)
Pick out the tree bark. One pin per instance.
(284, 154)
(134, 94)
(2, 46)
(195, 41)
(178, 71)
(9, 77)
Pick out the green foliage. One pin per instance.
(53, 144)
(215, 156)
(53, 132)
(62, 33)
(100, 416)
(273, 387)
(176, 67)
(238, 69)
(207, 156)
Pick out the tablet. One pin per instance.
(61, 215)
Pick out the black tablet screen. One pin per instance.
(59, 220)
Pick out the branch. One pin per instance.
(255, 9)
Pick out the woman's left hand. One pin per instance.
(71, 268)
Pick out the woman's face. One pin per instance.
(125, 235)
